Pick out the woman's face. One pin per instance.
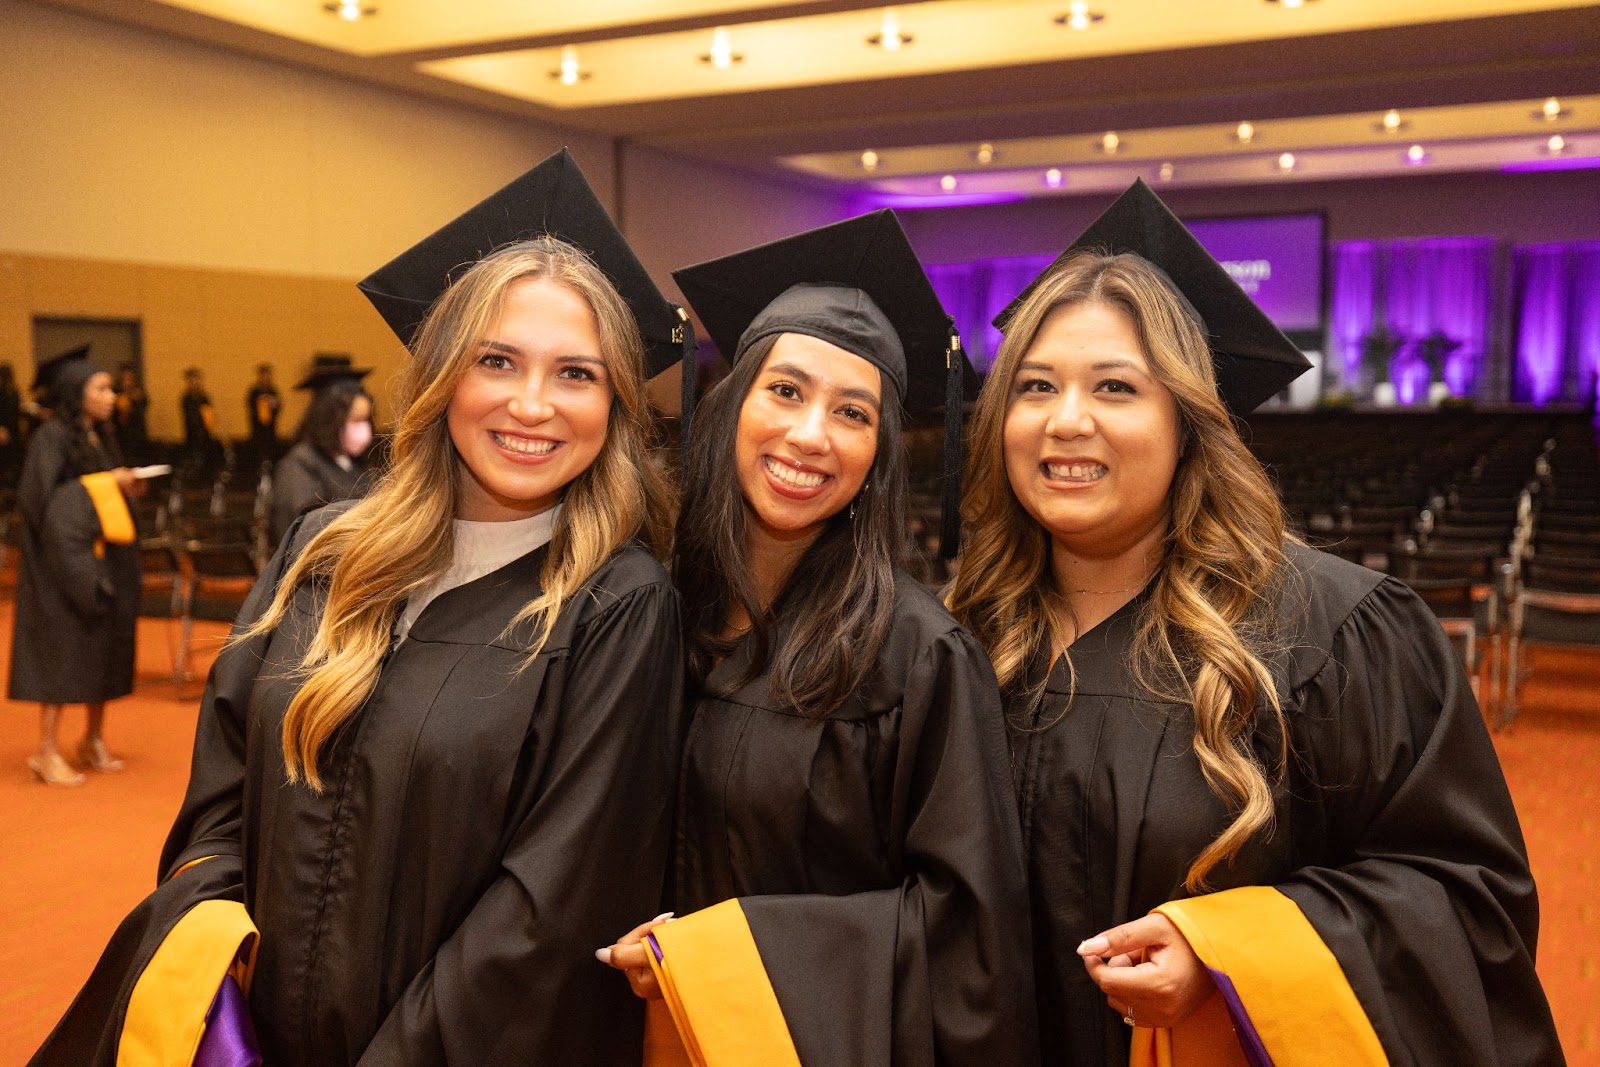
(357, 433)
(99, 399)
(808, 434)
(530, 413)
(1091, 437)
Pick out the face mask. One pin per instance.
(355, 438)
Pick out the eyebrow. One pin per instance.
(792, 370)
(513, 350)
(1097, 365)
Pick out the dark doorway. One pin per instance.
(114, 342)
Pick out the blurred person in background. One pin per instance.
(328, 460)
(78, 582)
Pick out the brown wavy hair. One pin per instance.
(401, 536)
(1206, 634)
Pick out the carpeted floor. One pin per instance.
(72, 861)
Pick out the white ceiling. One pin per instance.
(809, 93)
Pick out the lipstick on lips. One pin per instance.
(794, 480)
(523, 449)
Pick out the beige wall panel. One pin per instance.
(679, 211)
(121, 145)
(224, 322)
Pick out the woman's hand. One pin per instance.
(630, 956)
(130, 486)
(1147, 971)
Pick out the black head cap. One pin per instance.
(551, 199)
(66, 371)
(855, 284)
(328, 367)
(1252, 357)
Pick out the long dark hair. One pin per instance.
(89, 456)
(823, 631)
(323, 423)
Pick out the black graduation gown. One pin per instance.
(68, 598)
(875, 852)
(305, 479)
(1395, 835)
(485, 827)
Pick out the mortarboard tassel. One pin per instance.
(683, 333)
(950, 505)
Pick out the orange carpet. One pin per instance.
(72, 861)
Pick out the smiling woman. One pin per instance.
(529, 415)
(846, 842)
(1232, 752)
(403, 833)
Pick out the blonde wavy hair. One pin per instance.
(1207, 631)
(396, 540)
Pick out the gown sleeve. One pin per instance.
(517, 981)
(935, 970)
(1431, 912)
(92, 1031)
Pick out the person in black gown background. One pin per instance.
(261, 406)
(1272, 752)
(77, 588)
(328, 459)
(845, 774)
(11, 442)
(435, 762)
(133, 406)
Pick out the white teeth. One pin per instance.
(789, 476)
(523, 445)
(1076, 472)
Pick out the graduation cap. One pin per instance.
(1252, 357)
(551, 199)
(61, 372)
(329, 367)
(857, 285)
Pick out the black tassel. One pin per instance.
(950, 511)
(683, 333)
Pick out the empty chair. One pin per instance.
(1557, 603)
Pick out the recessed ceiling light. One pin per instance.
(948, 183)
(1391, 122)
(889, 38)
(1244, 133)
(1078, 16)
(1166, 172)
(722, 56)
(1053, 177)
(1416, 155)
(1556, 145)
(1287, 162)
(1551, 111)
(350, 10)
(1109, 143)
(1291, 4)
(869, 160)
(985, 153)
(569, 73)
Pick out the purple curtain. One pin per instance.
(1355, 283)
(1541, 277)
(1586, 313)
(1418, 289)
(1460, 272)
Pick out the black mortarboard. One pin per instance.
(551, 199)
(1252, 357)
(65, 370)
(327, 367)
(856, 284)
